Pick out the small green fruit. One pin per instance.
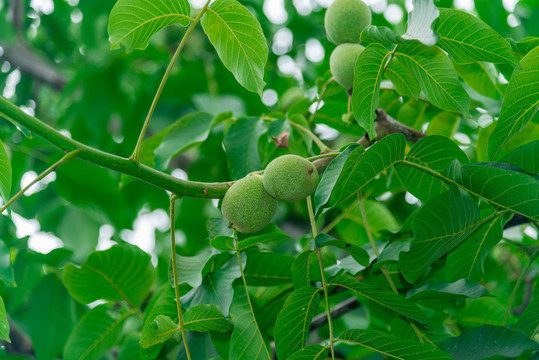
(345, 20)
(247, 205)
(290, 178)
(342, 63)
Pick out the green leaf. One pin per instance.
(509, 190)
(239, 40)
(331, 175)
(402, 79)
(5, 174)
(436, 76)
(311, 352)
(528, 321)
(301, 268)
(433, 152)
(205, 318)
(525, 157)
(200, 347)
(6, 271)
(241, 144)
(368, 74)
(468, 259)
(481, 311)
(520, 103)
(260, 239)
(445, 124)
(246, 342)
(486, 341)
(385, 298)
(223, 243)
(189, 130)
(133, 22)
(50, 329)
(359, 254)
(438, 290)
(268, 269)
(481, 77)
(439, 226)
(161, 329)
(294, 321)
(4, 324)
(123, 272)
(190, 268)
(393, 346)
(359, 171)
(94, 334)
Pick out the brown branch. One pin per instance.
(338, 310)
(386, 125)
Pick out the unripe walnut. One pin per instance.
(345, 20)
(342, 63)
(290, 178)
(247, 205)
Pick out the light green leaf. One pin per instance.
(433, 152)
(301, 268)
(94, 334)
(402, 79)
(311, 352)
(520, 103)
(359, 171)
(481, 77)
(123, 272)
(528, 321)
(393, 346)
(525, 157)
(436, 76)
(486, 341)
(133, 22)
(205, 318)
(468, 39)
(268, 268)
(4, 324)
(241, 145)
(437, 290)
(246, 342)
(439, 226)
(359, 254)
(190, 268)
(6, 271)
(467, 260)
(5, 174)
(444, 124)
(384, 35)
(223, 243)
(368, 74)
(294, 321)
(239, 40)
(161, 329)
(189, 130)
(276, 235)
(385, 298)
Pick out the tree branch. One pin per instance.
(386, 125)
(336, 311)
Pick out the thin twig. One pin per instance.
(517, 285)
(316, 139)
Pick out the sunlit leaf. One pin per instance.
(402, 79)
(4, 325)
(437, 290)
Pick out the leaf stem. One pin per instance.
(175, 273)
(319, 97)
(66, 158)
(517, 285)
(316, 139)
(136, 153)
(323, 275)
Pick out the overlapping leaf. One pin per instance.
(123, 272)
(393, 346)
(368, 74)
(528, 321)
(4, 325)
(239, 40)
(133, 22)
(481, 77)
(190, 268)
(301, 269)
(268, 268)
(436, 76)
(402, 79)
(241, 144)
(5, 174)
(437, 290)
(525, 157)
(205, 318)
(520, 103)
(160, 330)
(311, 352)
(359, 254)
(294, 320)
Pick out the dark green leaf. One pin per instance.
(160, 330)
(200, 347)
(359, 254)
(436, 290)
(301, 269)
(190, 268)
(268, 268)
(5, 174)
(525, 157)
(528, 321)
(311, 352)
(123, 272)
(133, 22)
(241, 144)
(205, 318)
(239, 40)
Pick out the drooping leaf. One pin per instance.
(5, 174)
(525, 157)
(357, 172)
(123, 272)
(268, 268)
(4, 324)
(359, 254)
(311, 352)
(241, 144)
(205, 318)
(301, 269)
(133, 22)
(385, 298)
(6, 271)
(368, 74)
(445, 124)
(160, 330)
(275, 235)
(481, 77)
(189, 130)
(436, 76)
(486, 341)
(436, 290)
(468, 39)
(467, 260)
(246, 342)
(520, 103)
(402, 79)
(439, 226)
(393, 346)
(239, 40)
(433, 152)
(190, 268)
(528, 321)
(223, 243)
(94, 334)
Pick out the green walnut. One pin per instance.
(345, 20)
(342, 63)
(247, 205)
(290, 178)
